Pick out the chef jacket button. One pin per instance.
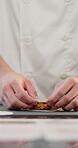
(64, 75)
(26, 1)
(67, 0)
(65, 37)
(28, 75)
(28, 39)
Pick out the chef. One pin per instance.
(39, 53)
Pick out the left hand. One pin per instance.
(65, 95)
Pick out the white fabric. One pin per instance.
(39, 39)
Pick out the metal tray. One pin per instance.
(38, 113)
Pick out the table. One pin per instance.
(30, 129)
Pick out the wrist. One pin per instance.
(4, 67)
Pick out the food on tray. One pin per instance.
(41, 106)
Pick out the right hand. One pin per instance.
(16, 91)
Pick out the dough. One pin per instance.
(41, 106)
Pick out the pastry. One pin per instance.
(41, 106)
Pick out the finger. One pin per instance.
(76, 109)
(1, 100)
(61, 91)
(58, 85)
(30, 88)
(56, 88)
(14, 101)
(22, 95)
(4, 103)
(64, 108)
(6, 100)
(73, 104)
(66, 99)
(8, 104)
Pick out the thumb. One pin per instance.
(31, 89)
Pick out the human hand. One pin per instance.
(16, 91)
(65, 95)
(72, 144)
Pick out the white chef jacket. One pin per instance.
(39, 39)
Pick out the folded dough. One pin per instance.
(41, 106)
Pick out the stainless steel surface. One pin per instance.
(38, 129)
(37, 113)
